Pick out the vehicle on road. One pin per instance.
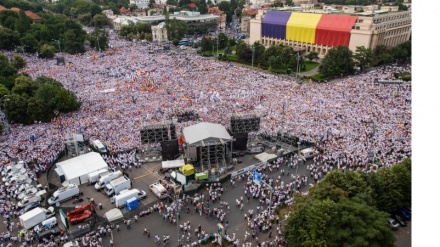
(117, 185)
(64, 194)
(35, 216)
(404, 213)
(121, 199)
(393, 224)
(309, 153)
(399, 220)
(106, 179)
(28, 200)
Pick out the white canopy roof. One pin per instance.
(205, 131)
(82, 165)
(172, 163)
(113, 215)
(265, 156)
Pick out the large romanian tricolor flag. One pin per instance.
(321, 29)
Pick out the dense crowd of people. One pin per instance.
(126, 87)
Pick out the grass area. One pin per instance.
(310, 65)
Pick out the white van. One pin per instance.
(28, 200)
(64, 193)
(309, 153)
(98, 147)
(46, 224)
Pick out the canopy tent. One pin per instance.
(76, 170)
(264, 156)
(114, 215)
(172, 164)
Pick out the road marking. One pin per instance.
(146, 174)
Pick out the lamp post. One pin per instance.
(253, 50)
(298, 69)
(297, 164)
(58, 42)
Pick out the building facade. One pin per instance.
(159, 33)
(308, 32)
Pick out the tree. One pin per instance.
(100, 21)
(47, 51)
(15, 109)
(402, 171)
(277, 3)
(313, 55)
(222, 40)
(386, 192)
(363, 57)
(350, 181)
(9, 39)
(24, 86)
(289, 2)
(3, 90)
(337, 62)
(29, 43)
(346, 222)
(98, 39)
(18, 62)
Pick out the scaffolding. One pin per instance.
(214, 154)
(155, 133)
(75, 145)
(245, 123)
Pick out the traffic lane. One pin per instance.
(235, 216)
(403, 236)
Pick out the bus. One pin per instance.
(183, 42)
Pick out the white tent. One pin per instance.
(114, 215)
(264, 156)
(76, 170)
(172, 164)
(204, 132)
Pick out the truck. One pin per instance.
(64, 194)
(159, 190)
(96, 175)
(35, 216)
(117, 185)
(106, 179)
(121, 199)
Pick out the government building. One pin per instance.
(320, 32)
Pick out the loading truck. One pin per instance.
(35, 216)
(64, 194)
(96, 175)
(121, 199)
(117, 185)
(106, 179)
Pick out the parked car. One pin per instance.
(393, 224)
(404, 213)
(56, 231)
(29, 207)
(399, 220)
(28, 192)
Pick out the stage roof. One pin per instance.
(205, 131)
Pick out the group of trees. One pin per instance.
(25, 100)
(275, 57)
(341, 61)
(350, 208)
(140, 30)
(18, 31)
(84, 10)
(231, 8)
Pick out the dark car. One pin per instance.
(56, 231)
(399, 220)
(404, 213)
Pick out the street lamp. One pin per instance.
(58, 42)
(297, 164)
(298, 69)
(253, 50)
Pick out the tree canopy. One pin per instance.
(350, 208)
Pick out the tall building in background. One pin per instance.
(308, 32)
